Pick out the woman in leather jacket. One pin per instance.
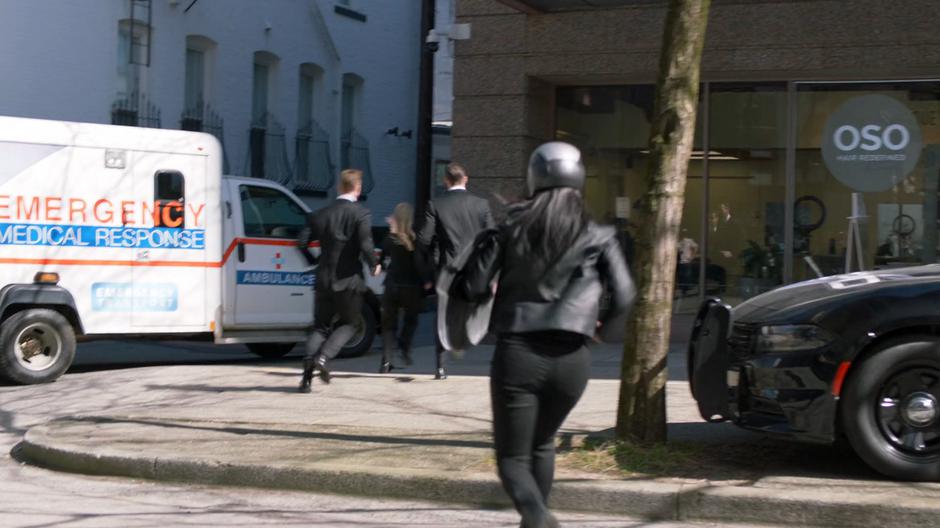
(553, 265)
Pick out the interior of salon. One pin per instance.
(788, 181)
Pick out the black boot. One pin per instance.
(405, 352)
(388, 338)
(322, 371)
(441, 374)
(385, 367)
(307, 377)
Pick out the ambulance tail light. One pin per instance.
(46, 277)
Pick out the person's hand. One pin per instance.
(377, 270)
(428, 285)
(596, 337)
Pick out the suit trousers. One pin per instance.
(335, 321)
(536, 378)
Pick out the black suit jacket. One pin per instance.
(344, 230)
(452, 220)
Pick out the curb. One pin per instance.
(699, 501)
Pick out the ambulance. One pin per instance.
(121, 232)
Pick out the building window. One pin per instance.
(260, 80)
(131, 106)
(866, 151)
(198, 113)
(355, 147)
(349, 107)
(267, 149)
(305, 93)
(259, 112)
(852, 179)
(194, 85)
(313, 169)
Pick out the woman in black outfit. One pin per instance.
(554, 265)
(404, 281)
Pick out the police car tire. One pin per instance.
(362, 342)
(10, 368)
(271, 350)
(859, 404)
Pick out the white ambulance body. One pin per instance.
(109, 231)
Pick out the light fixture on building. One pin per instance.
(115, 159)
(583, 96)
(713, 155)
(395, 132)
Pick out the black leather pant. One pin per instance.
(535, 380)
(397, 300)
(328, 336)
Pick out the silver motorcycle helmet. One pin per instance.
(555, 164)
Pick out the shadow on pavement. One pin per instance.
(416, 439)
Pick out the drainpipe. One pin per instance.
(425, 105)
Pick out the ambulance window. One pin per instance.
(169, 196)
(268, 212)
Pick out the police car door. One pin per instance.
(272, 287)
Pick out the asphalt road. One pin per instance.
(103, 355)
(100, 379)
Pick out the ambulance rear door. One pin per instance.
(166, 220)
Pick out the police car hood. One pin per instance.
(807, 294)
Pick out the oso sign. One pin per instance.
(871, 143)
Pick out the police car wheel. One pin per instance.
(36, 346)
(271, 350)
(891, 408)
(361, 341)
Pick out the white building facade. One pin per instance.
(295, 89)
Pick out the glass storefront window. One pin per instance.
(611, 126)
(878, 140)
(876, 144)
(747, 181)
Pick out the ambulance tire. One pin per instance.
(36, 346)
(360, 343)
(271, 350)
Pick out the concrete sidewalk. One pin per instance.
(406, 435)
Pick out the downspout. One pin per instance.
(425, 105)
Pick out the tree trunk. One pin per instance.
(641, 413)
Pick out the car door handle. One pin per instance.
(241, 252)
(297, 294)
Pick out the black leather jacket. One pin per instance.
(561, 295)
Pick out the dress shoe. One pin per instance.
(385, 367)
(441, 374)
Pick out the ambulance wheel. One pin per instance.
(361, 341)
(36, 346)
(271, 350)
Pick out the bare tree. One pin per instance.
(641, 413)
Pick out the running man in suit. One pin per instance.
(452, 220)
(344, 229)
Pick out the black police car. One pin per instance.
(854, 355)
